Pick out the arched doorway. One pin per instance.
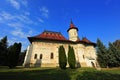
(93, 65)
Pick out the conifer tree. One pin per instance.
(114, 56)
(71, 57)
(117, 46)
(22, 57)
(13, 55)
(112, 51)
(62, 58)
(102, 55)
(3, 51)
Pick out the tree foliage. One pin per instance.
(108, 57)
(22, 57)
(114, 55)
(62, 58)
(102, 56)
(3, 51)
(71, 57)
(13, 54)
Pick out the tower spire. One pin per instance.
(72, 26)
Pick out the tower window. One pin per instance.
(41, 56)
(35, 57)
(51, 56)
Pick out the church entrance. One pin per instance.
(93, 65)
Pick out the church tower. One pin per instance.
(73, 32)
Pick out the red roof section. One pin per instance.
(51, 35)
(84, 39)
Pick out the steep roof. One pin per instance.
(72, 26)
(50, 35)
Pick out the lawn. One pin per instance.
(58, 74)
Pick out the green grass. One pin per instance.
(58, 74)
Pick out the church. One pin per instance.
(43, 50)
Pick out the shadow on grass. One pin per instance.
(95, 75)
(46, 74)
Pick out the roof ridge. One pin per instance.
(51, 31)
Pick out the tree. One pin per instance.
(62, 58)
(13, 55)
(102, 55)
(22, 57)
(3, 51)
(71, 57)
(117, 46)
(114, 54)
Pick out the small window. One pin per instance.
(83, 57)
(51, 56)
(35, 57)
(41, 56)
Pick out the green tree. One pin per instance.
(117, 46)
(13, 55)
(3, 51)
(112, 51)
(71, 57)
(22, 57)
(114, 55)
(102, 54)
(62, 58)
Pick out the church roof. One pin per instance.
(85, 40)
(72, 26)
(50, 35)
(57, 36)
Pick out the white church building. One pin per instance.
(43, 50)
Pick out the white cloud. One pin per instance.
(20, 33)
(44, 12)
(5, 16)
(18, 23)
(41, 20)
(19, 30)
(14, 3)
(17, 4)
(24, 19)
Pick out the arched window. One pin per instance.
(41, 56)
(35, 57)
(51, 56)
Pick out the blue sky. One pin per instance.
(94, 18)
